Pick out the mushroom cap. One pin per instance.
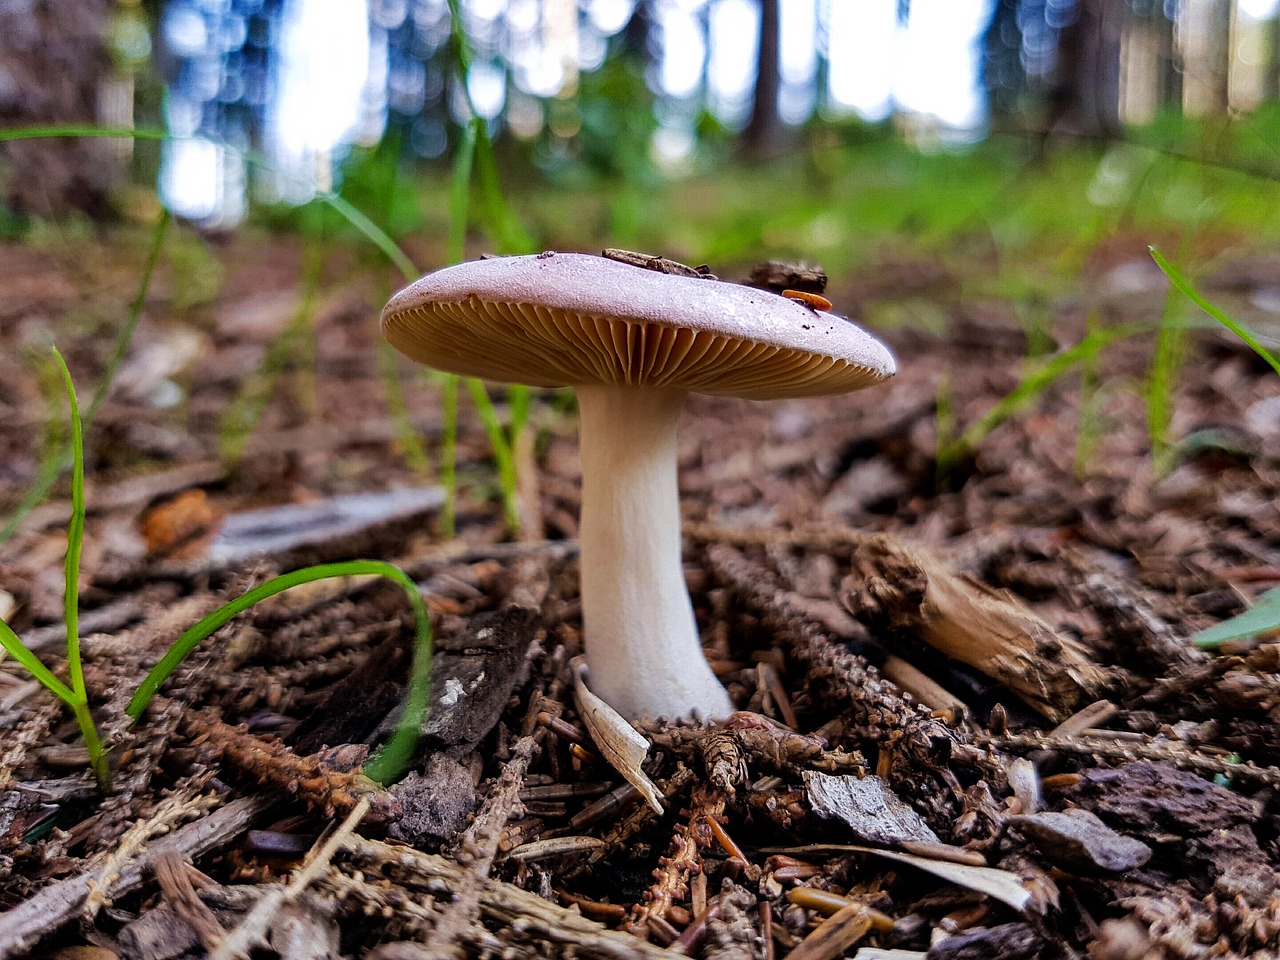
(568, 319)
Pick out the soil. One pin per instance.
(971, 722)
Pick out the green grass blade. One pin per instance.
(31, 663)
(1185, 287)
(459, 205)
(1262, 617)
(462, 43)
(75, 534)
(124, 339)
(399, 749)
(1161, 380)
(240, 417)
(71, 604)
(508, 232)
(449, 455)
(193, 635)
(411, 445)
(1032, 385)
(502, 454)
(460, 193)
(390, 763)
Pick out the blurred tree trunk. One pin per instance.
(1085, 96)
(1004, 79)
(54, 59)
(765, 133)
(1273, 63)
(637, 35)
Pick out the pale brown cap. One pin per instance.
(567, 319)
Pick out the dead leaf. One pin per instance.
(618, 741)
(1006, 887)
(178, 528)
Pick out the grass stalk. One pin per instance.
(395, 756)
(73, 694)
(1033, 385)
(449, 455)
(71, 590)
(241, 416)
(410, 443)
(1161, 380)
(1187, 289)
(502, 453)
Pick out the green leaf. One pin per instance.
(1262, 617)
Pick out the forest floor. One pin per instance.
(1070, 777)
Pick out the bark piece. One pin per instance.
(471, 685)
(899, 587)
(436, 802)
(290, 528)
(1078, 841)
(779, 275)
(868, 806)
(1008, 941)
(1200, 831)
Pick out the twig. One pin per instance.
(1166, 751)
(836, 677)
(271, 763)
(180, 806)
(528, 916)
(837, 933)
(49, 909)
(478, 847)
(672, 875)
(252, 930)
(631, 824)
(749, 741)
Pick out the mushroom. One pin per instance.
(632, 342)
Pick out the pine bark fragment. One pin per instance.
(899, 587)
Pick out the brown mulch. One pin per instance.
(971, 723)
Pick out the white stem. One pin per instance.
(640, 635)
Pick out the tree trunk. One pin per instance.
(1004, 79)
(764, 134)
(1085, 97)
(54, 59)
(637, 35)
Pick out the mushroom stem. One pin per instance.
(641, 639)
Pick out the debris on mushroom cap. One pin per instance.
(573, 319)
